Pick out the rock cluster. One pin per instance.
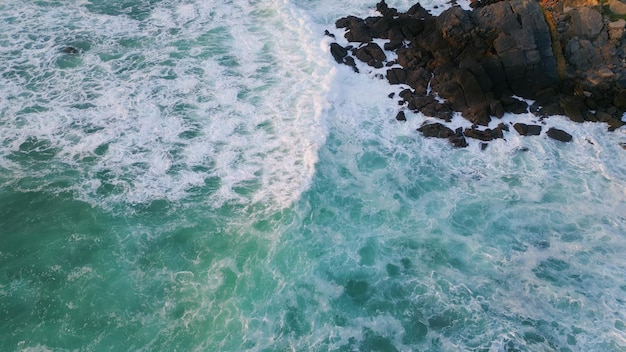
(567, 56)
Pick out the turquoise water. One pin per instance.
(201, 176)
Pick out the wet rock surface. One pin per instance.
(566, 55)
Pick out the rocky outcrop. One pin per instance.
(567, 56)
(438, 130)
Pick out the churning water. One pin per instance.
(202, 176)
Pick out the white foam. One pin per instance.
(245, 80)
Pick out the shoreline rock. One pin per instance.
(566, 55)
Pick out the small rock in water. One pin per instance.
(69, 50)
(400, 116)
(559, 135)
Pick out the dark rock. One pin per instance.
(586, 22)
(379, 26)
(572, 108)
(371, 54)
(487, 134)
(550, 108)
(496, 109)
(357, 29)
(338, 52)
(393, 45)
(477, 134)
(396, 75)
(533, 130)
(418, 79)
(527, 130)
(400, 116)
(497, 133)
(581, 53)
(328, 34)
(559, 135)
(385, 10)
(458, 141)
(614, 123)
(483, 145)
(70, 50)
(513, 105)
(472, 92)
(437, 130)
(418, 102)
(438, 110)
(406, 94)
(589, 116)
(349, 60)
(522, 43)
(619, 99)
(418, 11)
(567, 63)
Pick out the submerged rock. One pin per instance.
(70, 50)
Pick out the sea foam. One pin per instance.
(158, 104)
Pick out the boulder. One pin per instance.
(338, 52)
(559, 135)
(616, 29)
(527, 130)
(419, 79)
(572, 108)
(581, 53)
(458, 140)
(477, 134)
(586, 22)
(436, 130)
(371, 54)
(357, 30)
(385, 10)
(513, 105)
(617, 7)
(396, 75)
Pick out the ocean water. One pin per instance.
(202, 176)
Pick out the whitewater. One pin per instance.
(203, 176)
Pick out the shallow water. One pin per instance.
(202, 176)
